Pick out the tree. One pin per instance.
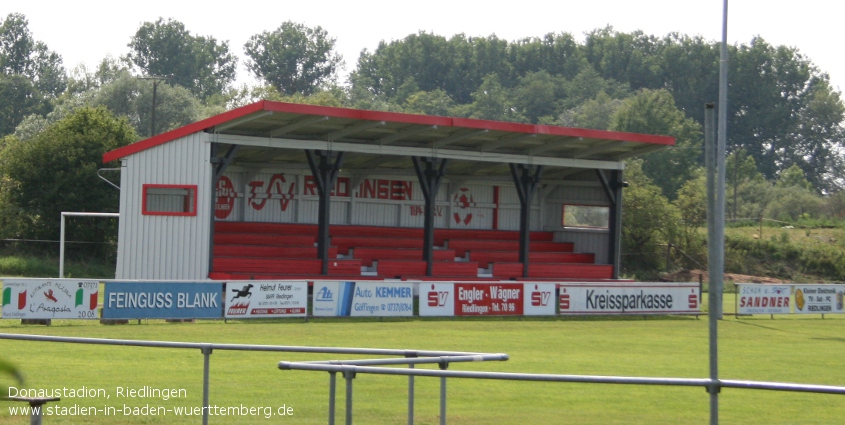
(30, 74)
(595, 113)
(200, 64)
(491, 102)
(648, 221)
(21, 54)
(57, 171)
(294, 58)
(18, 98)
(133, 98)
(435, 102)
(536, 96)
(654, 112)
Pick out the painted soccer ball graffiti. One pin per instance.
(461, 204)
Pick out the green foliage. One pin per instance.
(648, 221)
(132, 98)
(200, 64)
(294, 58)
(654, 112)
(56, 171)
(779, 257)
(21, 54)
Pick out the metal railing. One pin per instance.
(409, 357)
(351, 369)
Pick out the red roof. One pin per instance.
(270, 116)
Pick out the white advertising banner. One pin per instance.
(252, 299)
(819, 299)
(50, 299)
(437, 299)
(539, 299)
(763, 299)
(630, 298)
(363, 299)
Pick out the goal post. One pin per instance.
(62, 234)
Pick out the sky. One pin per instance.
(85, 31)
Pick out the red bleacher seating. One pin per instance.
(288, 250)
(485, 257)
(553, 270)
(406, 268)
(368, 254)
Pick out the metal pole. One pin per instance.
(62, 248)
(411, 397)
(717, 274)
(349, 376)
(332, 391)
(206, 353)
(443, 366)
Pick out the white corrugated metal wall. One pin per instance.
(158, 246)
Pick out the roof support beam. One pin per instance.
(457, 138)
(506, 142)
(407, 151)
(297, 125)
(399, 135)
(354, 129)
(598, 147)
(548, 146)
(325, 167)
(430, 173)
(526, 178)
(241, 120)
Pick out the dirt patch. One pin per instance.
(692, 276)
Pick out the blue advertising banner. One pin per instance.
(163, 300)
(363, 299)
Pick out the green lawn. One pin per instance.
(790, 349)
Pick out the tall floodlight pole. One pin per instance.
(717, 262)
(156, 81)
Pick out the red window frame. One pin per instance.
(189, 204)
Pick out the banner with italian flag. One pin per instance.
(49, 299)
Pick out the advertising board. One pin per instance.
(163, 300)
(266, 298)
(539, 299)
(630, 298)
(437, 299)
(489, 299)
(363, 299)
(819, 299)
(763, 299)
(49, 299)
(486, 299)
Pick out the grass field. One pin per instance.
(790, 349)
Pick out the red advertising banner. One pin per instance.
(489, 299)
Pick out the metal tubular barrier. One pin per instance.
(709, 384)
(442, 361)
(409, 357)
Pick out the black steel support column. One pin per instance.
(325, 167)
(429, 174)
(526, 182)
(218, 167)
(613, 190)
